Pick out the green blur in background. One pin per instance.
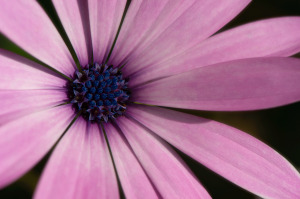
(278, 127)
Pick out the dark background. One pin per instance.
(279, 127)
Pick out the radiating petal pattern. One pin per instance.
(271, 37)
(18, 73)
(26, 140)
(75, 20)
(227, 151)
(105, 17)
(247, 84)
(165, 169)
(80, 167)
(168, 50)
(26, 24)
(134, 180)
(156, 30)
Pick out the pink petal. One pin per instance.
(17, 103)
(24, 141)
(171, 28)
(105, 17)
(143, 23)
(271, 37)
(80, 166)
(165, 169)
(26, 24)
(134, 180)
(235, 155)
(18, 73)
(247, 84)
(75, 20)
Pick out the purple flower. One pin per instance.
(164, 55)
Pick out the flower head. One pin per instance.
(134, 57)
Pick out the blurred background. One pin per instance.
(279, 127)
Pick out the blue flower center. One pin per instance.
(99, 92)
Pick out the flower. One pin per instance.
(165, 56)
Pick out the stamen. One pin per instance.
(100, 92)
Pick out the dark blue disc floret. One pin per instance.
(99, 92)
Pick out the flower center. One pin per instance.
(98, 92)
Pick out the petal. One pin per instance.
(247, 84)
(26, 24)
(134, 180)
(80, 166)
(26, 140)
(235, 155)
(142, 22)
(17, 103)
(168, 173)
(172, 28)
(105, 17)
(271, 37)
(75, 20)
(18, 73)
